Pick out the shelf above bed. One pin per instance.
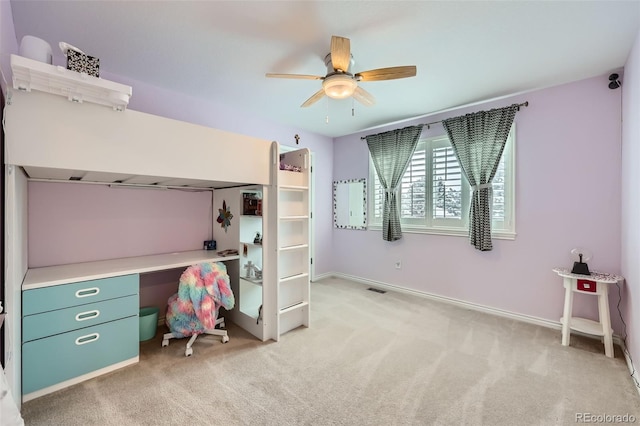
(77, 87)
(130, 148)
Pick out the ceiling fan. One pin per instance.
(339, 83)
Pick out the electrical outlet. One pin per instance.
(398, 264)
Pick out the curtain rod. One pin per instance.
(524, 104)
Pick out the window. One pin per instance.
(434, 195)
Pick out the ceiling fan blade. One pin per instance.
(390, 73)
(364, 97)
(300, 76)
(340, 53)
(313, 99)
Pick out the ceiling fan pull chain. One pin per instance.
(327, 118)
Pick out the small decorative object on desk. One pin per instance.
(228, 252)
(257, 239)
(581, 267)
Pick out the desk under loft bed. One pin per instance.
(47, 137)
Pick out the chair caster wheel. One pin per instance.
(225, 339)
(188, 352)
(165, 343)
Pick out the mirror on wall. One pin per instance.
(350, 204)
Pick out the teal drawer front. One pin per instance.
(81, 293)
(49, 361)
(55, 322)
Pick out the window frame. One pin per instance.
(443, 226)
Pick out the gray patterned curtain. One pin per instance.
(478, 141)
(391, 152)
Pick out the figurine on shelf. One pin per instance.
(257, 271)
(257, 239)
(249, 267)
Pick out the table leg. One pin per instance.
(605, 320)
(566, 315)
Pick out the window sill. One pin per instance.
(498, 235)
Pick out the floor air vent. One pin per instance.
(377, 290)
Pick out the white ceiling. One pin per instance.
(465, 51)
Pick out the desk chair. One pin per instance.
(203, 289)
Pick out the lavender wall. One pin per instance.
(71, 223)
(631, 197)
(568, 195)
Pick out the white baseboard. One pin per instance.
(556, 325)
(323, 276)
(468, 305)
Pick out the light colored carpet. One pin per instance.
(367, 359)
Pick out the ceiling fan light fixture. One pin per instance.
(339, 86)
(340, 82)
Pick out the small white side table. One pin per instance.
(596, 284)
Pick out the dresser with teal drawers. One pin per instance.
(80, 321)
(77, 329)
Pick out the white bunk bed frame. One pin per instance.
(49, 137)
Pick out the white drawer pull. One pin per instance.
(83, 316)
(86, 292)
(83, 340)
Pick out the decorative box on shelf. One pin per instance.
(82, 63)
(77, 87)
(251, 204)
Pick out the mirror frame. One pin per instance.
(364, 204)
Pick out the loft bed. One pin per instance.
(47, 137)
(52, 138)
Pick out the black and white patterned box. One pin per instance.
(80, 62)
